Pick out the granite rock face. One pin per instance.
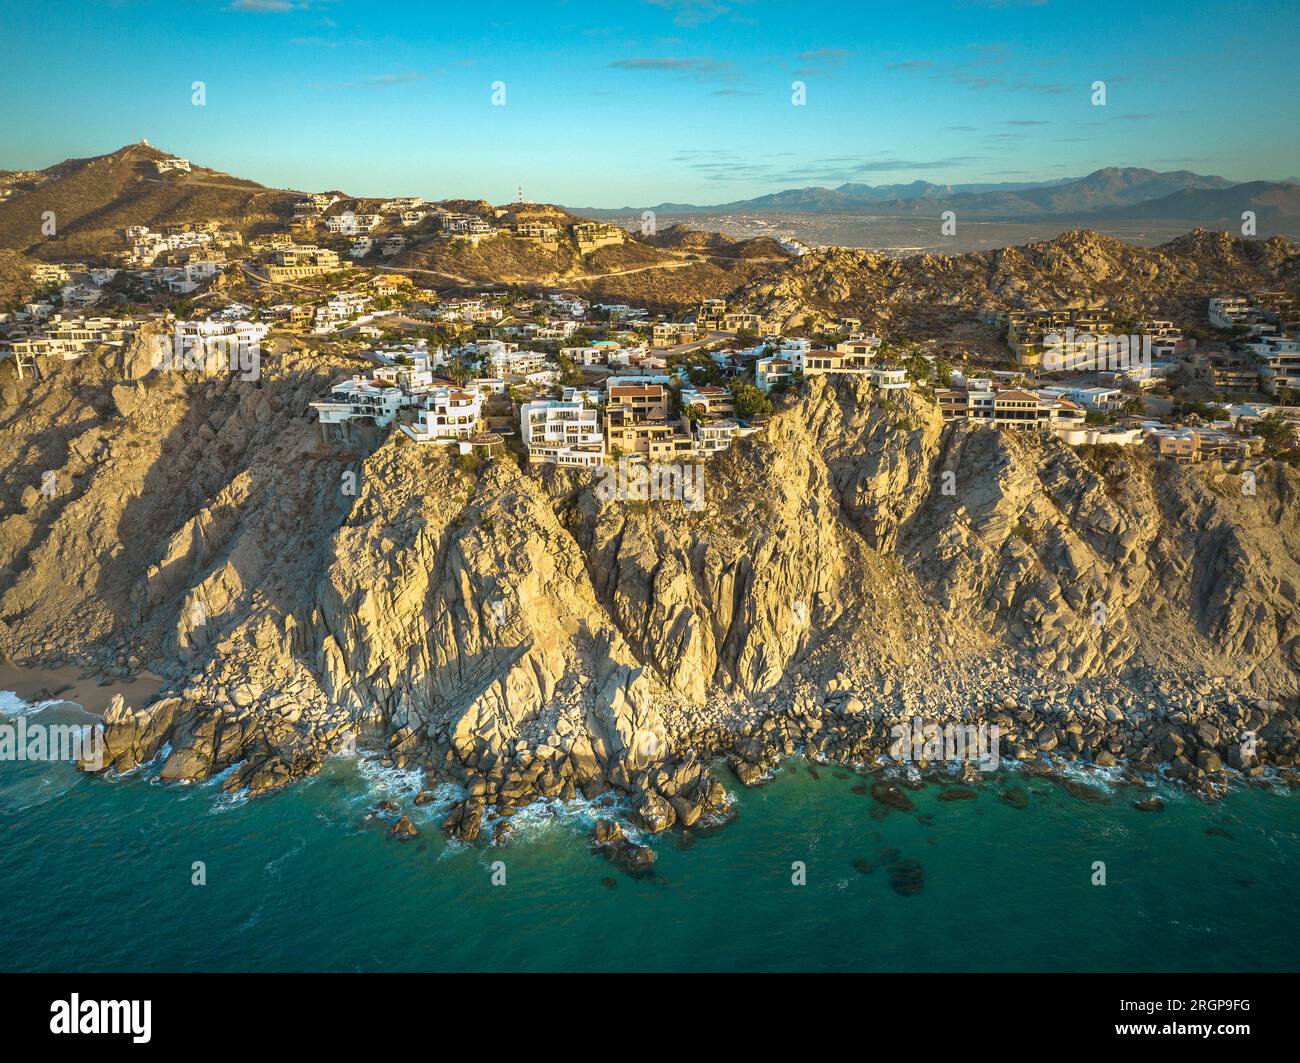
(854, 562)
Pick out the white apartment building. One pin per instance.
(715, 435)
(793, 351)
(593, 355)
(1278, 358)
(827, 362)
(772, 372)
(338, 310)
(49, 273)
(360, 399)
(715, 401)
(889, 378)
(506, 363)
(562, 433)
(448, 414)
(1225, 311)
(349, 224)
(1094, 398)
(72, 337)
(401, 203)
(203, 333)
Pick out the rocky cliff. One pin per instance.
(510, 629)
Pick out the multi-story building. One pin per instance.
(637, 422)
(70, 338)
(887, 377)
(1010, 408)
(304, 261)
(1278, 362)
(823, 362)
(712, 401)
(516, 363)
(715, 434)
(772, 372)
(562, 433)
(590, 235)
(448, 414)
(1187, 446)
(359, 399)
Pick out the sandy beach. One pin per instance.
(70, 684)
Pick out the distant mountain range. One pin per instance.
(1124, 192)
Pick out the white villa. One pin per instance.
(448, 414)
(713, 436)
(504, 363)
(359, 399)
(888, 377)
(562, 433)
(1093, 398)
(715, 401)
(771, 372)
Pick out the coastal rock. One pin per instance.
(403, 829)
(890, 795)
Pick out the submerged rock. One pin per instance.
(906, 877)
(1149, 804)
(636, 860)
(1084, 792)
(890, 795)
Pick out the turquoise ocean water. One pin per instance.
(96, 875)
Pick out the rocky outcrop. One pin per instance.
(928, 293)
(511, 631)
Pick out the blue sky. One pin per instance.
(634, 102)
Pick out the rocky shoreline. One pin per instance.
(1204, 736)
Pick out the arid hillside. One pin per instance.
(94, 199)
(1076, 268)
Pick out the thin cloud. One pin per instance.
(827, 171)
(265, 5)
(821, 61)
(693, 12)
(378, 81)
(699, 67)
